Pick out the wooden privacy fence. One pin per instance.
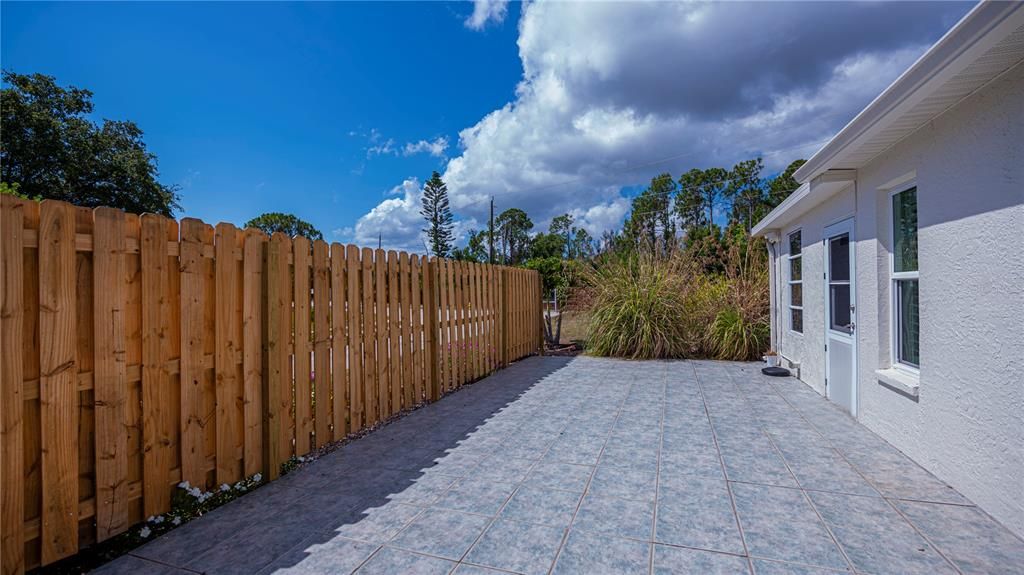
(138, 352)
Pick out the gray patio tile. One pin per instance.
(698, 514)
(130, 565)
(756, 462)
(564, 476)
(682, 561)
(541, 505)
(630, 457)
(425, 490)
(618, 517)
(971, 539)
(778, 523)
(474, 495)
(464, 569)
(582, 450)
(389, 560)
(442, 533)
(337, 555)
(587, 553)
(823, 469)
(521, 547)
(875, 537)
(624, 483)
(765, 567)
(378, 524)
(457, 463)
(904, 479)
(506, 469)
(249, 550)
(673, 465)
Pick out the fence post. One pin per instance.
(503, 290)
(430, 313)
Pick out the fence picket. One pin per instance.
(321, 345)
(136, 357)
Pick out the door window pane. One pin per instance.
(909, 335)
(794, 269)
(904, 233)
(796, 320)
(839, 258)
(839, 302)
(796, 295)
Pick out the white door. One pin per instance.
(840, 316)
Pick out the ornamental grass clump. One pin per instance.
(635, 305)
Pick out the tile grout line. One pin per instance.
(725, 473)
(657, 469)
(869, 482)
(586, 488)
(803, 492)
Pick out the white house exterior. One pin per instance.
(898, 265)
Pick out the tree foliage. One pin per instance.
(51, 150)
(513, 228)
(285, 223)
(438, 214)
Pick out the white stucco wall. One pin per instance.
(967, 423)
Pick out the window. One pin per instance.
(796, 285)
(904, 273)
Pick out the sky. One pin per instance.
(338, 112)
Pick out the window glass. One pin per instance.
(796, 320)
(839, 300)
(794, 270)
(796, 295)
(909, 328)
(794, 243)
(839, 258)
(904, 233)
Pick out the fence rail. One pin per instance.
(138, 351)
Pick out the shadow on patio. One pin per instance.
(602, 466)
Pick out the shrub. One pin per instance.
(635, 304)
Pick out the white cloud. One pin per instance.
(485, 11)
(435, 147)
(615, 93)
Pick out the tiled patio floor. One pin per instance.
(593, 466)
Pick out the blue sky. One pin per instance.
(272, 107)
(338, 112)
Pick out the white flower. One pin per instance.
(176, 520)
(158, 519)
(144, 532)
(225, 487)
(151, 519)
(184, 485)
(257, 477)
(195, 492)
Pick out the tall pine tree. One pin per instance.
(438, 215)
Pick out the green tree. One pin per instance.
(549, 245)
(582, 245)
(50, 149)
(287, 224)
(747, 192)
(781, 186)
(438, 215)
(475, 249)
(651, 223)
(702, 191)
(563, 225)
(513, 228)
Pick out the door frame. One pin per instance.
(840, 227)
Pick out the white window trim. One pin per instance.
(790, 282)
(904, 184)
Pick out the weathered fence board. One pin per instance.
(140, 352)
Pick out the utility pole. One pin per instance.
(380, 239)
(490, 236)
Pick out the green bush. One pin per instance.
(634, 305)
(640, 306)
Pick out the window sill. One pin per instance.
(899, 380)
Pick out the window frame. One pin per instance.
(790, 281)
(896, 277)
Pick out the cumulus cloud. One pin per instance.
(615, 93)
(435, 147)
(485, 11)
